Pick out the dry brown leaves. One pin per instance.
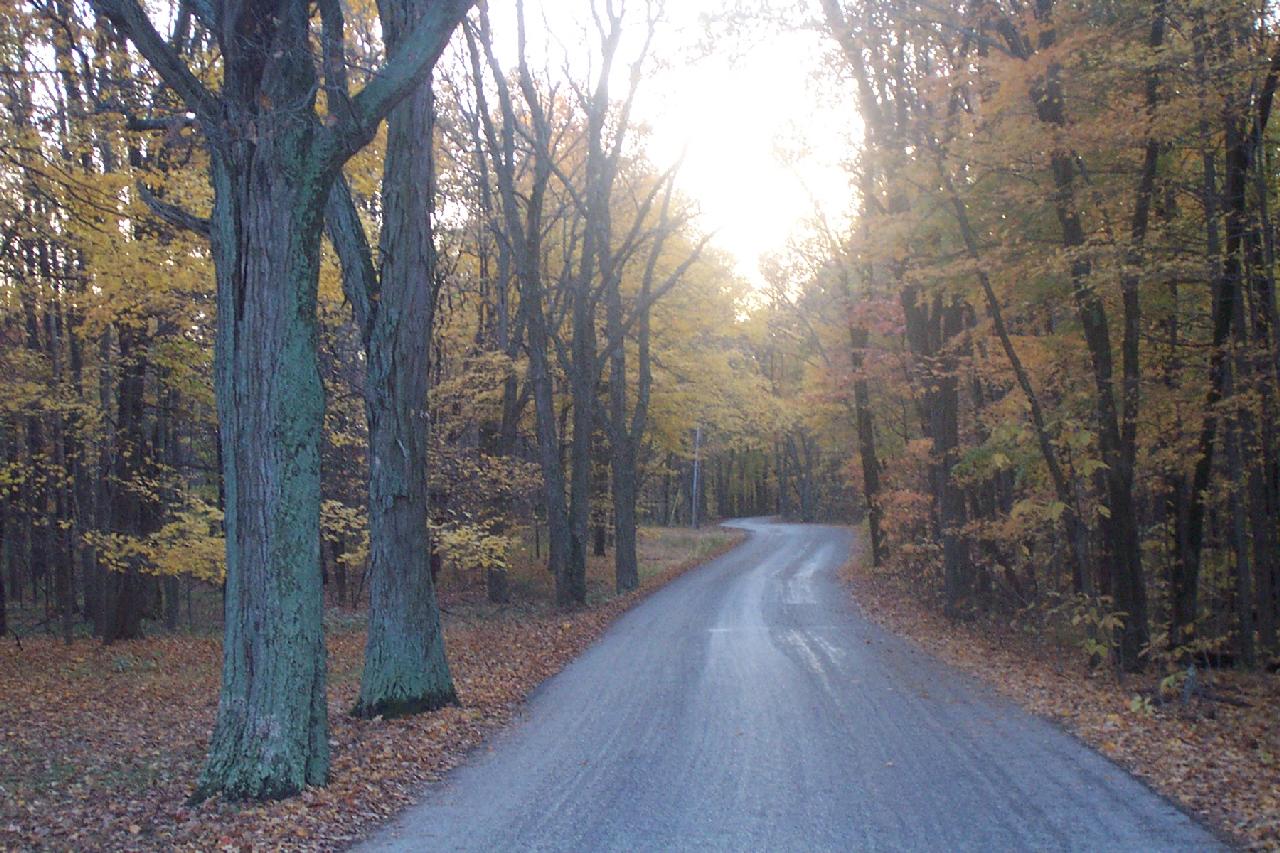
(100, 746)
(1219, 761)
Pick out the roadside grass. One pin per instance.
(1217, 757)
(100, 746)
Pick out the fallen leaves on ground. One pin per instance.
(100, 746)
(1219, 760)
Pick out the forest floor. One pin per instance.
(1217, 755)
(100, 746)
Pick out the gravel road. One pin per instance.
(748, 706)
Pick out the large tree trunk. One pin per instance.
(405, 669)
(271, 737)
(273, 161)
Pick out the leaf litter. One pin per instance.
(100, 746)
(1217, 755)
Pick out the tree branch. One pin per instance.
(334, 59)
(346, 233)
(142, 124)
(412, 62)
(133, 22)
(172, 213)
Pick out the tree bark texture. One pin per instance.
(271, 736)
(405, 669)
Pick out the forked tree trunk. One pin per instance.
(273, 161)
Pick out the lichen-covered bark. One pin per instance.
(405, 669)
(271, 738)
(273, 162)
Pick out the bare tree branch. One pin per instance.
(133, 22)
(346, 233)
(172, 213)
(408, 68)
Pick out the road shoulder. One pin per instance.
(1217, 760)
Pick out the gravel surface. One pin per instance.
(747, 706)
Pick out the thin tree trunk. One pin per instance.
(124, 592)
(957, 562)
(1120, 529)
(1240, 543)
(525, 238)
(867, 444)
(5, 508)
(1076, 530)
(1186, 575)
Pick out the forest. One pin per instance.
(321, 315)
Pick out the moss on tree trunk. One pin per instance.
(270, 739)
(405, 669)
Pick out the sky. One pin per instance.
(763, 130)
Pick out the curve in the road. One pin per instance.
(747, 706)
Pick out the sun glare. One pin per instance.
(763, 144)
(763, 140)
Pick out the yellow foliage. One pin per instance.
(190, 544)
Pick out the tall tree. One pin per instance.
(405, 669)
(525, 221)
(273, 159)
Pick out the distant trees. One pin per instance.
(1070, 208)
(106, 430)
(566, 167)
